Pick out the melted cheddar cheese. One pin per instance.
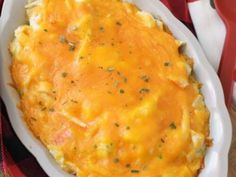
(106, 89)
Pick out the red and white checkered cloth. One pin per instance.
(15, 160)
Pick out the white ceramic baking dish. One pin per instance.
(216, 161)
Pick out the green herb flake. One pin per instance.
(72, 46)
(172, 125)
(160, 156)
(128, 128)
(145, 78)
(64, 74)
(166, 64)
(122, 91)
(125, 80)
(43, 109)
(134, 171)
(33, 118)
(118, 23)
(51, 110)
(101, 28)
(95, 146)
(116, 160)
(162, 140)
(116, 124)
(62, 39)
(144, 90)
(127, 165)
(201, 152)
(74, 101)
(45, 30)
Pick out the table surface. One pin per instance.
(232, 155)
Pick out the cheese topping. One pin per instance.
(107, 90)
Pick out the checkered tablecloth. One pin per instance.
(15, 160)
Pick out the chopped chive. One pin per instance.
(51, 110)
(45, 30)
(117, 125)
(32, 118)
(167, 64)
(134, 171)
(144, 90)
(116, 160)
(145, 78)
(122, 91)
(160, 156)
(63, 39)
(64, 74)
(71, 46)
(172, 125)
(127, 165)
(118, 23)
(95, 146)
(101, 28)
(74, 101)
(162, 140)
(43, 109)
(125, 80)
(128, 127)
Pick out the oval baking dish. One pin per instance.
(220, 127)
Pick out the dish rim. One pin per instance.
(216, 105)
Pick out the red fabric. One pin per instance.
(15, 160)
(1, 1)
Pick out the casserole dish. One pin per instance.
(200, 73)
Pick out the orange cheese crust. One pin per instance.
(106, 90)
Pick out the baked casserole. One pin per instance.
(106, 88)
